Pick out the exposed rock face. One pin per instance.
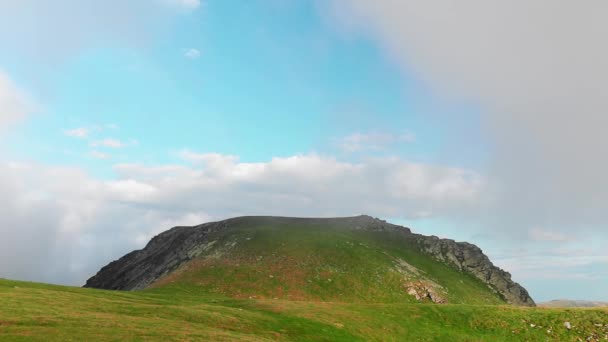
(424, 290)
(170, 249)
(163, 254)
(469, 258)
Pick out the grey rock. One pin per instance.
(163, 254)
(469, 258)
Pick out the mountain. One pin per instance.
(568, 303)
(355, 259)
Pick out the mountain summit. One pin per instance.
(351, 259)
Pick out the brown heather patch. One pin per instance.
(29, 333)
(5, 323)
(276, 276)
(325, 274)
(195, 264)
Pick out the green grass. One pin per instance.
(265, 279)
(266, 259)
(30, 311)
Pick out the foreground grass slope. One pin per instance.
(30, 311)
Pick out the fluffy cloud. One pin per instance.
(192, 53)
(536, 70)
(77, 223)
(13, 103)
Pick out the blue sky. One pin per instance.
(123, 119)
(260, 86)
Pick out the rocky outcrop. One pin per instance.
(163, 254)
(465, 257)
(470, 258)
(424, 290)
(169, 250)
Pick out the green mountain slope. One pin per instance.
(39, 312)
(312, 262)
(357, 259)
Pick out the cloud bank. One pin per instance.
(536, 70)
(77, 223)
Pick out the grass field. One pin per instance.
(31, 311)
(266, 280)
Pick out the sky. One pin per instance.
(476, 120)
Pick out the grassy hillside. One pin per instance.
(30, 311)
(288, 259)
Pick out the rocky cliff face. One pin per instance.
(469, 258)
(168, 250)
(163, 254)
(464, 256)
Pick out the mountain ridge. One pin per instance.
(177, 247)
(573, 303)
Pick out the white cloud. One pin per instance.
(373, 141)
(77, 223)
(100, 155)
(80, 132)
(207, 158)
(192, 53)
(189, 219)
(113, 143)
(14, 105)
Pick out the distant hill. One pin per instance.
(567, 303)
(355, 259)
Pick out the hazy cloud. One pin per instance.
(537, 72)
(48, 31)
(357, 142)
(184, 4)
(80, 132)
(192, 53)
(545, 235)
(14, 105)
(100, 155)
(113, 143)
